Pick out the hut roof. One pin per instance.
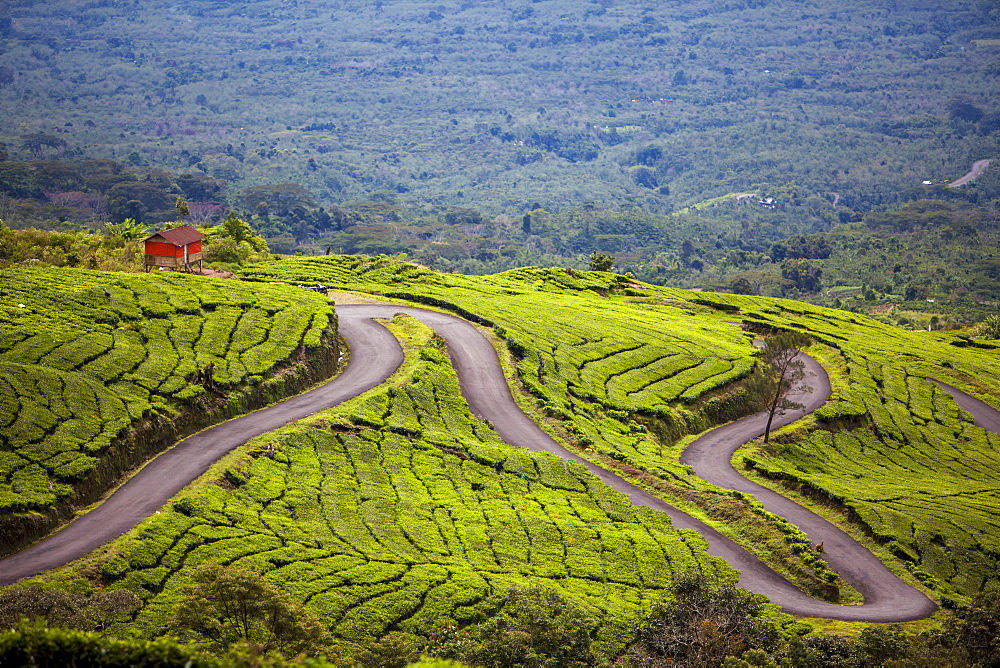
(179, 236)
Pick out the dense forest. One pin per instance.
(661, 105)
(929, 262)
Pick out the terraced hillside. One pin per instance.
(400, 511)
(900, 453)
(598, 360)
(606, 356)
(100, 370)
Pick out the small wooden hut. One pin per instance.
(178, 248)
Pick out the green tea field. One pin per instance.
(400, 511)
(100, 370)
(400, 514)
(892, 449)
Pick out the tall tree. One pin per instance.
(601, 261)
(37, 142)
(781, 352)
(703, 624)
(182, 208)
(227, 605)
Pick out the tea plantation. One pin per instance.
(630, 368)
(598, 361)
(99, 370)
(399, 511)
(899, 453)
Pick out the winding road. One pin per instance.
(375, 354)
(978, 167)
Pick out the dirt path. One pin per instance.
(375, 354)
(978, 167)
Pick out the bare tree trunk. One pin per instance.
(771, 411)
(781, 352)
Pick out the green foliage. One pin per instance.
(129, 229)
(428, 662)
(394, 650)
(35, 645)
(37, 248)
(975, 628)
(230, 605)
(601, 261)
(234, 242)
(896, 450)
(85, 357)
(990, 328)
(782, 354)
(32, 645)
(705, 624)
(625, 379)
(399, 513)
(379, 530)
(67, 609)
(802, 274)
(536, 627)
(891, 447)
(889, 266)
(702, 624)
(585, 98)
(588, 358)
(278, 199)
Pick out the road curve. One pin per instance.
(372, 360)
(887, 598)
(983, 414)
(978, 167)
(375, 354)
(710, 457)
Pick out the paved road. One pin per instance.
(983, 414)
(885, 594)
(374, 355)
(978, 167)
(372, 360)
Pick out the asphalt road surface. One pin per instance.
(375, 354)
(978, 167)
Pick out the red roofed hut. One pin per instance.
(178, 248)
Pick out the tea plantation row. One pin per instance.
(90, 359)
(560, 324)
(399, 511)
(902, 456)
(598, 360)
(607, 356)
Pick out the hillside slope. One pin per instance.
(931, 466)
(99, 371)
(400, 511)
